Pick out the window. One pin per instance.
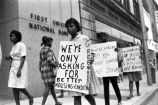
(136, 8)
(126, 3)
(123, 3)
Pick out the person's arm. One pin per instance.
(51, 60)
(22, 61)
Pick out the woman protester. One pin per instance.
(133, 76)
(18, 77)
(103, 38)
(47, 67)
(73, 28)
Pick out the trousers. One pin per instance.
(114, 83)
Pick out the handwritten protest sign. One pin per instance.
(72, 70)
(131, 59)
(105, 63)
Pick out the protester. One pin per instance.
(154, 62)
(102, 38)
(153, 71)
(133, 76)
(18, 77)
(73, 28)
(47, 67)
(61, 94)
(120, 60)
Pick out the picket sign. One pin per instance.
(105, 63)
(74, 56)
(131, 59)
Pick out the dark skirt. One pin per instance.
(134, 76)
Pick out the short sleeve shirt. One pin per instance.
(80, 37)
(18, 50)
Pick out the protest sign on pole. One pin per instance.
(74, 57)
(131, 59)
(105, 62)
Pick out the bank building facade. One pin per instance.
(36, 18)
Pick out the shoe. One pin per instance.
(138, 94)
(61, 96)
(119, 103)
(59, 103)
(130, 96)
(31, 101)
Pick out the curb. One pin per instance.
(146, 98)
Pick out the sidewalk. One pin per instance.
(145, 91)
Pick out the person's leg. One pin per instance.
(106, 90)
(77, 100)
(116, 88)
(137, 87)
(16, 96)
(62, 94)
(90, 99)
(45, 95)
(28, 95)
(130, 89)
(54, 95)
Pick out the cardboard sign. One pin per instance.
(131, 59)
(105, 63)
(74, 57)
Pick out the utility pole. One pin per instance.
(145, 38)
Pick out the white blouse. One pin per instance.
(18, 50)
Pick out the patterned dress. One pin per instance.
(46, 65)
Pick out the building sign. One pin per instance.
(105, 63)
(152, 45)
(131, 59)
(74, 57)
(58, 27)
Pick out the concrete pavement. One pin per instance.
(145, 91)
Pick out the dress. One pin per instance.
(94, 86)
(18, 50)
(46, 68)
(134, 76)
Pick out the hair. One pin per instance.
(46, 39)
(100, 34)
(130, 43)
(73, 20)
(17, 35)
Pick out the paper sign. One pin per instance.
(105, 61)
(131, 59)
(74, 56)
